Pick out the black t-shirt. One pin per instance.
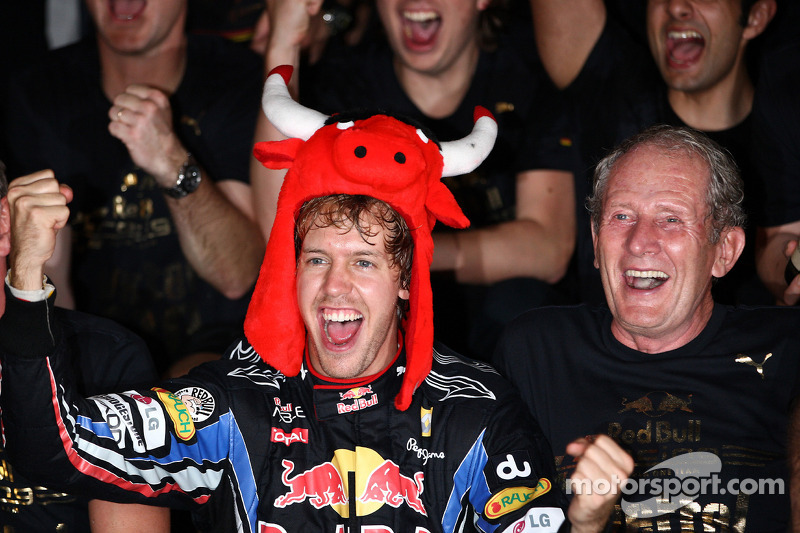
(726, 392)
(534, 132)
(618, 93)
(127, 263)
(105, 358)
(776, 135)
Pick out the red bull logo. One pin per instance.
(321, 485)
(264, 527)
(656, 404)
(355, 392)
(358, 395)
(387, 485)
(378, 482)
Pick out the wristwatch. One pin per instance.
(189, 178)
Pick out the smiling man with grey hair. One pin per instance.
(663, 370)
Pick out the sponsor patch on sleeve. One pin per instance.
(154, 426)
(119, 420)
(178, 413)
(513, 498)
(539, 520)
(509, 466)
(198, 401)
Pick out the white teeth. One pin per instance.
(341, 316)
(420, 16)
(688, 34)
(646, 274)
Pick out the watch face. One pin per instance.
(191, 179)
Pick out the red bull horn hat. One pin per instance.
(378, 156)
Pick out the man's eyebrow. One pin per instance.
(305, 250)
(367, 252)
(372, 252)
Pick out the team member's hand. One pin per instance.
(293, 22)
(598, 458)
(141, 117)
(37, 205)
(792, 293)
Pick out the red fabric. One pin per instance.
(327, 164)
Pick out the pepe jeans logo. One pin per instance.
(422, 453)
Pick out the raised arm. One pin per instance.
(289, 25)
(215, 224)
(38, 209)
(53, 435)
(601, 462)
(537, 244)
(566, 31)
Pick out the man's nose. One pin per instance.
(680, 9)
(643, 238)
(338, 280)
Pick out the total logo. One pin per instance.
(295, 435)
(359, 397)
(378, 482)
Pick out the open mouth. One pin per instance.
(420, 28)
(341, 326)
(684, 47)
(645, 279)
(126, 10)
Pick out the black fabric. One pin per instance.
(577, 379)
(776, 136)
(127, 263)
(534, 132)
(618, 93)
(102, 356)
(246, 448)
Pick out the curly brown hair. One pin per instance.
(361, 212)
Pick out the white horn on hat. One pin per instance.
(289, 117)
(464, 155)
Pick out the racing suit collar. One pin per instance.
(337, 397)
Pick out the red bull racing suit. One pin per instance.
(250, 449)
